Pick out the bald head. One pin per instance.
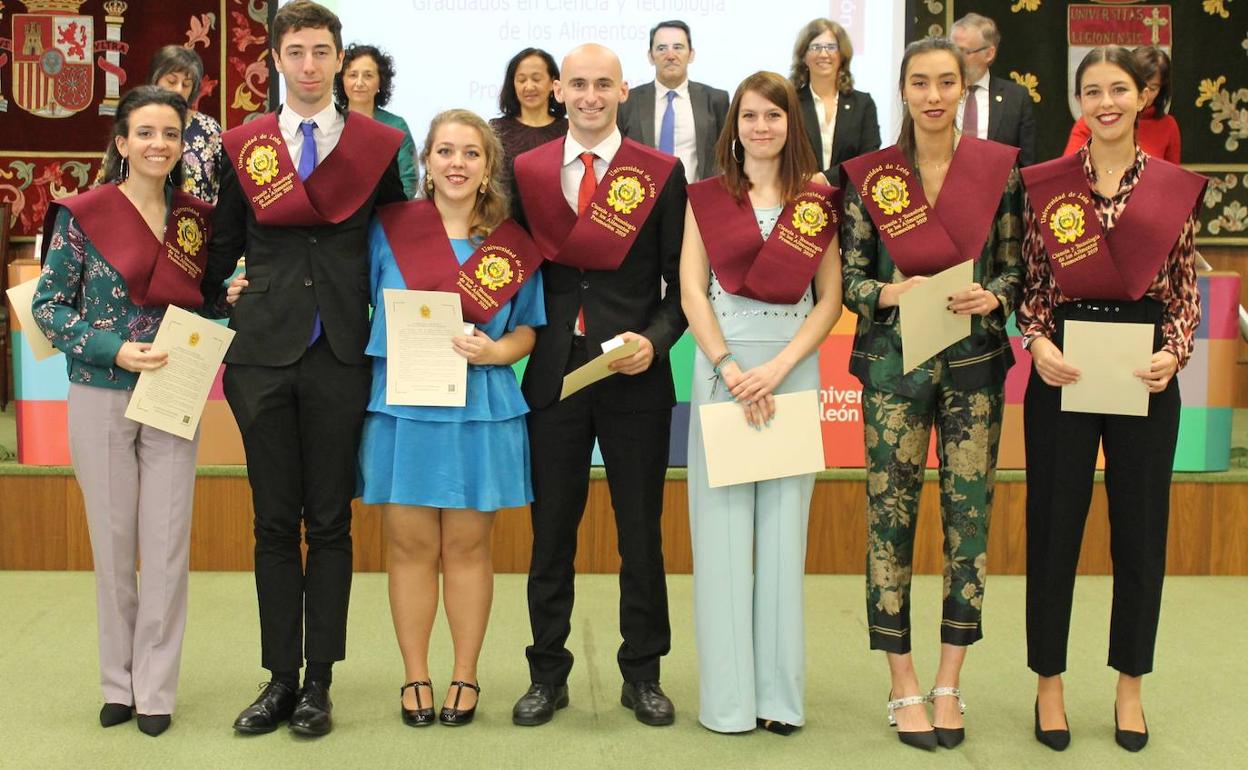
(591, 85)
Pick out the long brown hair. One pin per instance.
(905, 138)
(492, 205)
(797, 159)
(799, 73)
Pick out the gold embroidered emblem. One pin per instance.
(1067, 222)
(625, 194)
(890, 194)
(425, 312)
(262, 164)
(494, 272)
(809, 218)
(193, 340)
(190, 236)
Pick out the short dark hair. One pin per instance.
(302, 14)
(175, 58)
(1152, 60)
(509, 102)
(385, 73)
(671, 24)
(140, 96)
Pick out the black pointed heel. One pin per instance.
(1057, 740)
(1131, 740)
(920, 739)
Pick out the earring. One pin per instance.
(125, 169)
(428, 184)
(485, 185)
(736, 145)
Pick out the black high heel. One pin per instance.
(452, 716)
(1057, 740)
(1130, 740)
(774, 726)
(417, 717)
(920, 739)
(949, 737)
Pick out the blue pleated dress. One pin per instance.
(475, 456)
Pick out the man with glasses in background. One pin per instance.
(994, 108)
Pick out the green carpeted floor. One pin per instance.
(48, 683)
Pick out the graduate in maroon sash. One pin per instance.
(474, 459)
(115, 258)
(1109, 238)
(935, 199)
(761, 286)
(608, 215)
(297, 194)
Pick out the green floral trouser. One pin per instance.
(897, 430)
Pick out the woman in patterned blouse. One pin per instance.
(181, 71)
(1145, 271)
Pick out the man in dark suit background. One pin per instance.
(1000, 108)
(629, 413)
(297, 378)
(697, 111)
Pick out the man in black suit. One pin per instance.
(1000, 109)
(687, 123)
(599, 286)
(296, 197)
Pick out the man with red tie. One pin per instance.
(608, 215)
(296, 196)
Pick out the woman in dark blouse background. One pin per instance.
(531, 116)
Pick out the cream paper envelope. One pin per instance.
(595, 370)
(1106, 354)
(927, 324)
(20, 297)
(737, 453)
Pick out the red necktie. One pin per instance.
(584, 195)
(970, 115)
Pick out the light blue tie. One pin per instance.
(307, 156)
(307, 162)
(667, 131)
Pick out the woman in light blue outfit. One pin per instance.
(749, 540)
(440, 473)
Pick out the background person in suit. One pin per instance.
(840, 122)
(297, 378)
(629, 413)
(999, 109)
(697, 112)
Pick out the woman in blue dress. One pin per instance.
(757, 332)
(440, 473)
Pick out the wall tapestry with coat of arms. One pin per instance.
(1043, 41)
(65, 63)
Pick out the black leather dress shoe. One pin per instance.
(311, 716)
(539, 704)
(115, 713)
(273, 707)
(649, 703)
(154, 724)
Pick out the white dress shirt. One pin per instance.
(827, 127)
(329, 124)
(686, 144)
(981, 105)
(573, 169)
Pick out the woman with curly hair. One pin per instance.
(364, 85)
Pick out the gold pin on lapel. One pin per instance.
(999, 97)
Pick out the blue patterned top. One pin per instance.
(202, 157)
(83, 306)
(493, 392)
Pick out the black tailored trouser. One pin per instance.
(301, 433)
(1061, 459)
(634, 448)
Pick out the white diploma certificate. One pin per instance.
(422, 368)
(20, 297)
(737, 453)
(928, 326)
(172, 397)
(1106, 355)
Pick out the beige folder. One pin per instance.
(1106, 355)
(928, 326)
(597, 369)
(737, 453)
(20, 297)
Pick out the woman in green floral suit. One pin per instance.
(960, 390)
